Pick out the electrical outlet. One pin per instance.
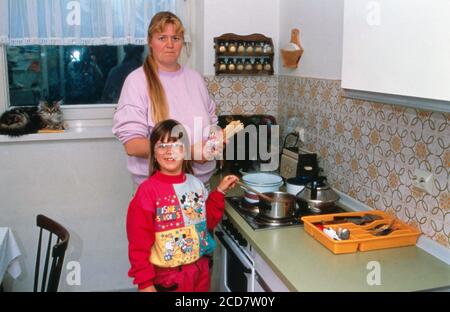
(423, 180)
(301, 133)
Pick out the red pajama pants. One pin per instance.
(193, 277)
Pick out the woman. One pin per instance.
(163, 89)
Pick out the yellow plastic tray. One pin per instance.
(360, 238)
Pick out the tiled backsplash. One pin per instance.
(244, 94)
(367, 150)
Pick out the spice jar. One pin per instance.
(248, 65)
(241, 47)
(231, 65)
(267, 65)
(222, 66)
(232, 47)
(250, 47)
(259, 47)
(267, 48)
(258, 65)
(239, 64)
(222, 47)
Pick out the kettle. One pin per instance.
(318, 196)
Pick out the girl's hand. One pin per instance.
(227, 183)
(148, 289)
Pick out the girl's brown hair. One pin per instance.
(168, 131)
(158, 99)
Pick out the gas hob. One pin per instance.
(250, 213)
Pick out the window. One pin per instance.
(44, 47)
(76, 74)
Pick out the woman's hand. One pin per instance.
(205, 151)
(227, 183)
(148, 289)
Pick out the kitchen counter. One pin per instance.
(303, 264)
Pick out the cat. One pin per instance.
(26, 120)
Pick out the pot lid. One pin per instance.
(319, 192)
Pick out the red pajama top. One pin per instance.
(168, 222)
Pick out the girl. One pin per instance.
(170, 217)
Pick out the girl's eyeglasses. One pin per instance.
(165, 147)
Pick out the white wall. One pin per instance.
(239, 17)
(321, 26)
(84, 185)
(198, 24)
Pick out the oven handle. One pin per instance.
(231, 249)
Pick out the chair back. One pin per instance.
(50, 279)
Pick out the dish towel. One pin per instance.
(9, 254)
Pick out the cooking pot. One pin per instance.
(318, 196)
(261, 182)
(281, 206)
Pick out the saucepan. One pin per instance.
(274, 205)
(281, 205)
(262, 183)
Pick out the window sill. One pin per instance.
(73, 133)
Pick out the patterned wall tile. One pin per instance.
(370, 150)
(367, 150)
(244, 95)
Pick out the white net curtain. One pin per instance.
(82, 22)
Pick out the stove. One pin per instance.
(250, 213)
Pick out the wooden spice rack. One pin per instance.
(259, 40)
(361, 236)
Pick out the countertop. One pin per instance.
(303, 264)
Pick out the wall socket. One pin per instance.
(301, 133)
(423, 180)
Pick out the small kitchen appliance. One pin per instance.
(242, 158)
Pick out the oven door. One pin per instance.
(238, 271)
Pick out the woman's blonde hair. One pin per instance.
(159, 105)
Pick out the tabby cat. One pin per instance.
(25, 120)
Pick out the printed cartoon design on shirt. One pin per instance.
(175, 247)
(207, 244)
(193, 205)
(181, 234)
(168, 214)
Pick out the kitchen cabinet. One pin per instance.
(266, 279)
(397, 52)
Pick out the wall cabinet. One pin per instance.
(397, 52)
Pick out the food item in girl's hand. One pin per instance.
(232, 128)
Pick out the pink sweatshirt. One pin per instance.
(189, 103)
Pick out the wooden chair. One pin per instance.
(57, 253)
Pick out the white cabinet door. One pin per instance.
(266, 279)
(396, 51)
